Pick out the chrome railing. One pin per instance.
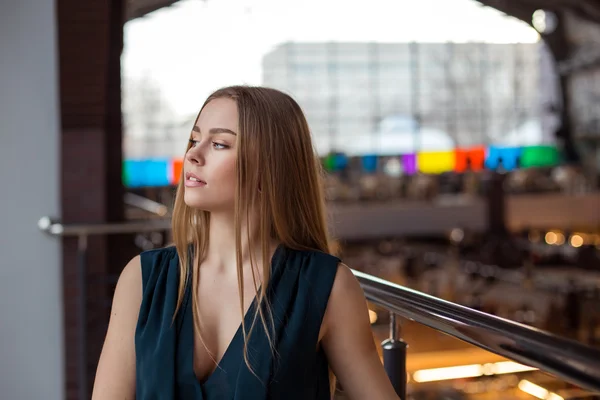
(143, 203)
(47, 225)
(563, 358)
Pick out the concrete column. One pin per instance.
(31, 313)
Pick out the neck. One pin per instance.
(221, 251)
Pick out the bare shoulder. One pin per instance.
(132, 273)
(347, 300)
(129, 285)
(345, 283)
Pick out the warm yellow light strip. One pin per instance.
(510, 367)
(440, 374)
(469, 371)
(554, 396)
(538, 391)
(533, 389)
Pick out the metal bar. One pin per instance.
(352, 221)
(394, 358)
(563, 358)
(393, 327)
(146, 204)
(363, 221)
(58, 229)
(82, 311)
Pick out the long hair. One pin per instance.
(278, 177)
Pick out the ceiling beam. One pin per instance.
(523, 9)
(517, 9)
(139, 8)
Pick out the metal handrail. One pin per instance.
(563, 358)
(146, 204)
(47, 225)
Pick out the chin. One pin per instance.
(193, 200)
(196, 203)
(201, 203)
(197, 207)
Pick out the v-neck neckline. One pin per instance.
(233, 343)
(222, 363)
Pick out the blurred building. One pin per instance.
(151, 128)
(360, 97)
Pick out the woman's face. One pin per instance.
(209, 164)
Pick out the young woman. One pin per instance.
(249, 304)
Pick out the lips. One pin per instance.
(193, 178)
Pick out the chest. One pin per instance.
(218, 319)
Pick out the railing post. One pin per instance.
(82, 244)
(394, 358)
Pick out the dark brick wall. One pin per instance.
(90, 41)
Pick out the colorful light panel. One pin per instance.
(470, 159)
(176, 167)
(507, 157)
(369, 163)
(329, 163)
(165, 172)
(143, 173)
(540, 156)
(436, 162)
(409, 164)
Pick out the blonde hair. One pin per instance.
(275, 154)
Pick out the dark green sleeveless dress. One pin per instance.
(300, 285)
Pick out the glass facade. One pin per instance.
(386, 97)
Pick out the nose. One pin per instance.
(195, 155)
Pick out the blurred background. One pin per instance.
(460, 141)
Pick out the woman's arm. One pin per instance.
(115, 376)
(348, 341)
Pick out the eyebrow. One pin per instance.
(215, 130)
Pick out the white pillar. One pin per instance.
(31, 322)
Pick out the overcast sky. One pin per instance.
(196, 46)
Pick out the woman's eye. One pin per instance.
(193, 142)
(220, 146)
